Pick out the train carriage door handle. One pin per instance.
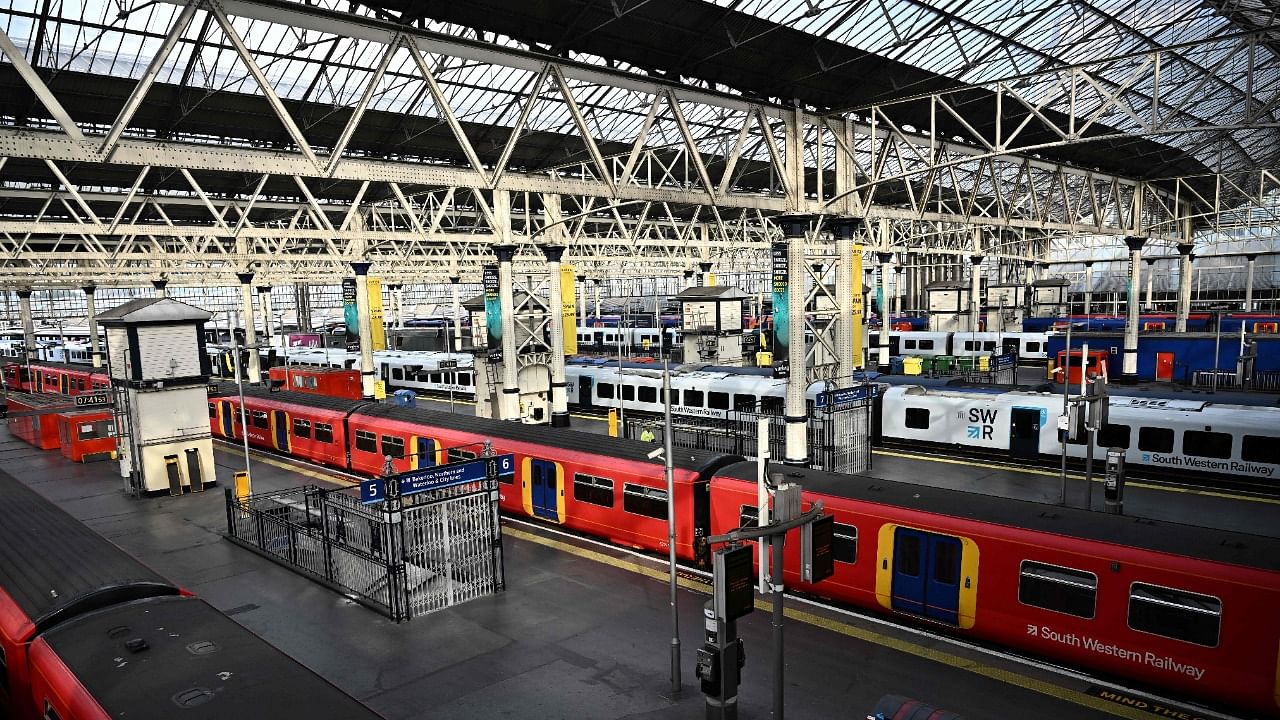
(967, 583)
(884, 563)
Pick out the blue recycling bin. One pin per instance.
(405, 398)
(896, 365)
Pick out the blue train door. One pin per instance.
(424, 452)
(228, 420)
(543, 489)
(1024, 432)
(280, 423)
(926, 574)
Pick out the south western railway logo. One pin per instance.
(982, 423)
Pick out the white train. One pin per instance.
(417, 370)
(1185, 436)
(632, 340)
(704, 391)
(1031, 347)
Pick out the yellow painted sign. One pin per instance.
(711, 279)
(568, 305)
(379, 390)
(375, 314)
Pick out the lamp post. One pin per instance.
(244, 419)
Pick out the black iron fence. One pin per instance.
(438, 551)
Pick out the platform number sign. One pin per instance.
(372, 491)
(500, 466)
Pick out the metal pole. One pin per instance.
(1217, 345)
(671, 525)
(1066, 391)
(244, 418)
(777, 542)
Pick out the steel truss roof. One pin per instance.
(196, 137)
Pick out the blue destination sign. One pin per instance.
(844, 396)
(441, 476)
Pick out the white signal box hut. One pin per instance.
(159, 376)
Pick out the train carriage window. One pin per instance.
(909, 344)
(1073, 592)
(1202, 443)
(324, 433)
(917, 418)
(1176, 614)
(644, 500)
(435, 378)
(1260, 448)
(693, 398)
(648, 394)
(213, 410)
(946, 566)
(366, 441)
(926, 344)
(748, 516)
(393, 446)
(1154, 439)
(464, 378)
(592, 489)
(302, 428)
(604, 391)
(258, 419)
(459, 455)
(771, 404)
(845, 549)
(49, 712)
(970, 345)
(628, 393)
(674, 398)
(1114, 436)
(718, 401)
(989, 345)
(397, 373)
(908, 555)
(1033, 346)
(744, 401)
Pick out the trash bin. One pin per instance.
(965, 362)
(895, 365)
(405, 398)
(984, 363)
(912, 366)
(942, 364)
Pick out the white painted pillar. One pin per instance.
(848, 274)
(1129, 363)
(795, 228)
(596, 281)
(898, 289)
(264, 303)
(368, 373)
(160, 285)
(1248, 283)
(29, 348)
(91, 310)
(582, 301)
(457, 313)
(254, 372)
(509, 402)
(882, 294)
(1151, 275)
(1088, 288)
(1184, 285)
(559, 400)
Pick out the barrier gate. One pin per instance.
(405, 558)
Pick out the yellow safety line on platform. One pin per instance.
(1001, 675)
(1077, 476)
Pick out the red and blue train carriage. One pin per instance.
(1176, 607)
(54, 377)
(89, 633)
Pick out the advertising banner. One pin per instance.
(350, 314)
(781, 319)
(858, 311)
(377, 326)
(568, 310)
(493, 313)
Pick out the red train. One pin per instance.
(54, 377)
(34, 418)
(1178, 607)
(333, 382)
(89, 633)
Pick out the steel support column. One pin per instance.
(160, 287)
(457, 313)
(1129, 363)
(795, 228)
(264, 304)
(1151, 275)
(1088, 288)
(91, 310)
(1184, 285)
(254, 373)
(1248, 283)
(882, 293)
(30, 351)
(302, 307)
(582, 301)
(848, 274)
(559, 400)
(368, 373)
(509, 402)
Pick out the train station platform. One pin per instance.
(582, 630)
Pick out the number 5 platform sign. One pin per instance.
(442, 476)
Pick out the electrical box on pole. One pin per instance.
(817, 549)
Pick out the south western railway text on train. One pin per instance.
(1163, 662)
(1208, 464)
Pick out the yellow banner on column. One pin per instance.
(859, 355)
(568, 309)
(375, 314)
(711, 279)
